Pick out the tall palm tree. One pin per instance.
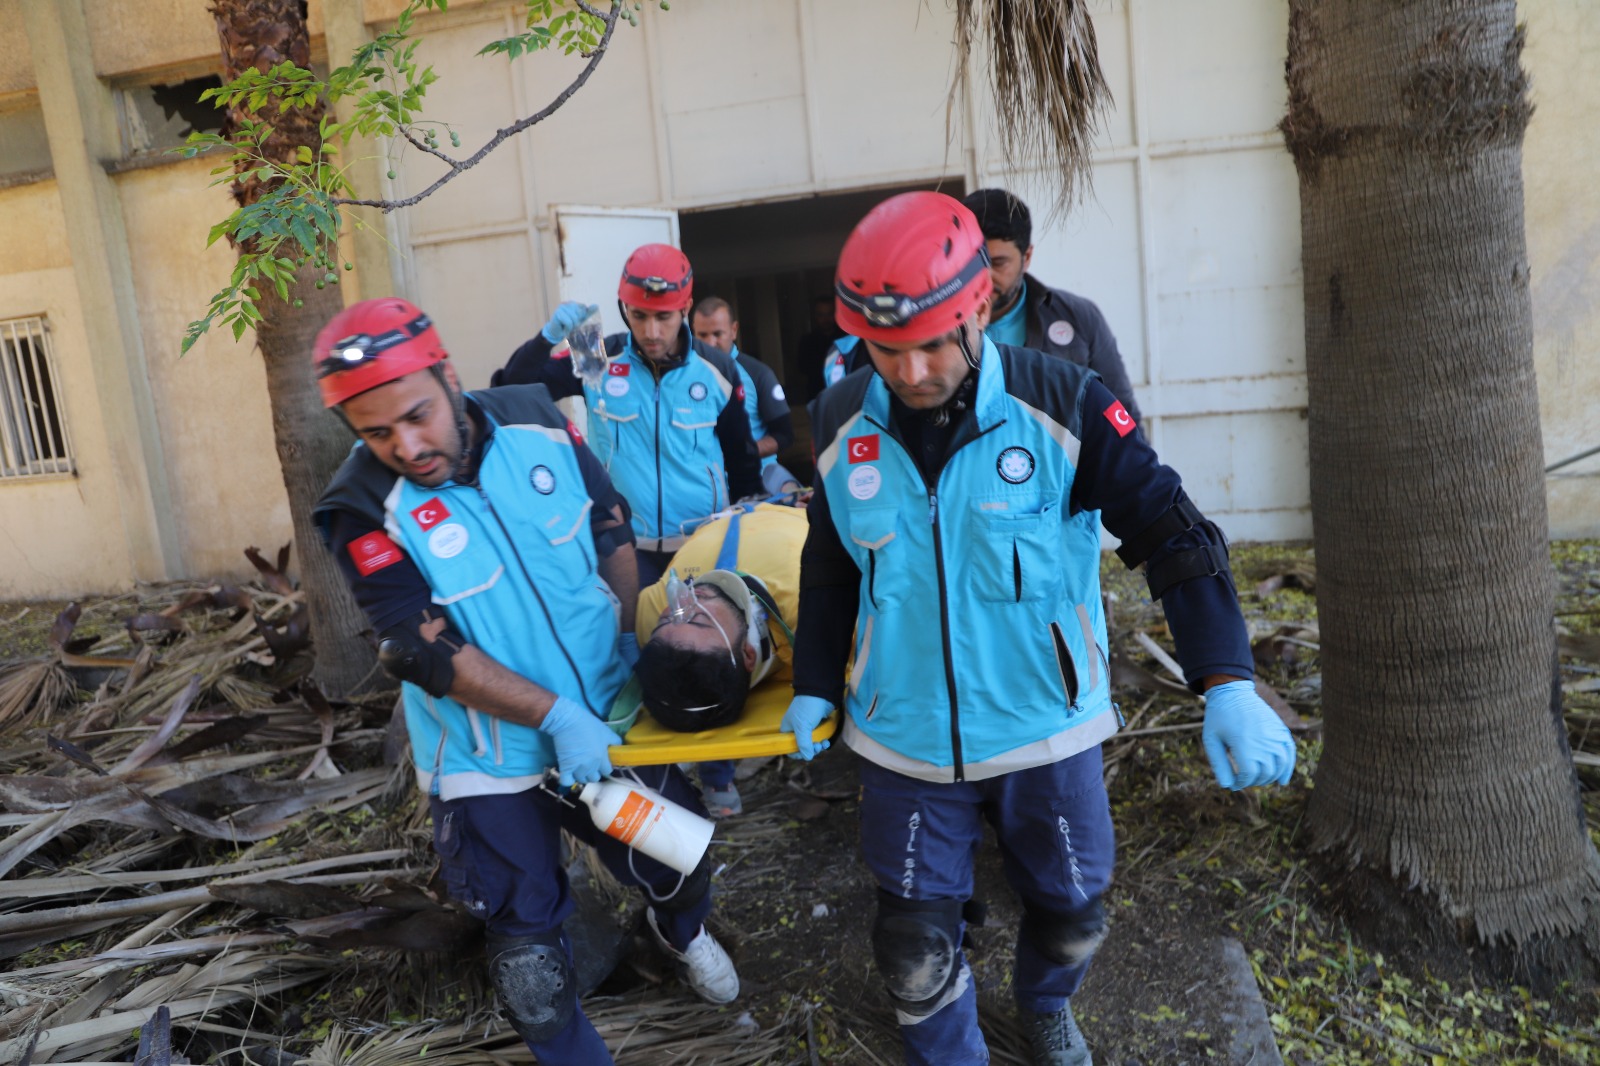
(1446, 771)
(261, 34)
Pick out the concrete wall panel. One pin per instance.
(601, 146)
(878, 86)
(1094, 252)
(1560, 158)
(476, 99)
(16, 64)
(1214, 69)
(62, 536)
(1227, 234)
(212, 405)
(33, 236)
(483, 311)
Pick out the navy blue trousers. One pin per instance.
(1053, 824)
(501, 857)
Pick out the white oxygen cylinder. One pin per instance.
(648, 822)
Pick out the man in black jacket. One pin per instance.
(1028, 313)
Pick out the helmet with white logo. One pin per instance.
(914, 268)
(657, 277)
(372, 343)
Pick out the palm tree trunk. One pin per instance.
(1445, 770)
(310, 443)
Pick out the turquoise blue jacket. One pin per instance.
(512, 562)
(993, 550)
(678, 448)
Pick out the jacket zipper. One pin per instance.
(944, 593)
(661, 511)
(583, 689)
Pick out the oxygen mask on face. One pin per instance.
(683, 605)
(588, 344)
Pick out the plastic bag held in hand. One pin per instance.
(566, 319)
(583, 741)
(1240, 726)
(588, 344)
(805, 713)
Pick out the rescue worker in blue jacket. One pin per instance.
(954, 532)
(1027, 313)
(668, 422)
(494, 560)
(764, 401)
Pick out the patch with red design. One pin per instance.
(862, 449)
(619, 370)
(738, 392)
(431, 514)
(572, 431)
(1118, 416)
(373, 552)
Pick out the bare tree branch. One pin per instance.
(423, 146)
(457, 167)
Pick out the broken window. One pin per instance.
(24, 148)
(158, 117)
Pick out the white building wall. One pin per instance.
(1190, 244)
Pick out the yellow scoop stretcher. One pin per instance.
(755, 734)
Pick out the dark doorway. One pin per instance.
(771, 261)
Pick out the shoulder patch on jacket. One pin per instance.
(373, 552)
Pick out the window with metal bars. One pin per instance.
(33, 424)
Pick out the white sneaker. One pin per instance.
(703, 964)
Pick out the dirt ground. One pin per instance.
(795, 905)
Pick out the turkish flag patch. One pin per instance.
(738, 392)
(373, 552)
(572, 431)
(619, 370)
(862, 449)
(431, 514)
(1117, 415)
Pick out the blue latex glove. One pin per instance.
(628, 649)
(582, 742)
(1240, 724)
(565, 320)
(805, 713)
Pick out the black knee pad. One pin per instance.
(690, 893)
(1065, 939)
(917, 945)
(535, 982)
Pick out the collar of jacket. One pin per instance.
(989, 409)
(631, 353)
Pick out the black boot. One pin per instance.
(1054, 1038)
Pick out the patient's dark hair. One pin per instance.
(675, 680)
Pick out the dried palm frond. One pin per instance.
(1044, 69)
(34, 691)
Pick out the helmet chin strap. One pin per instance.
(941, 415)
(973, 357)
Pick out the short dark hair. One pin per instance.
(675, 680)
(711, 305)
(1001, 217)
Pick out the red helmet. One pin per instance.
(372, 343)
(657, 277)
(915, 268)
